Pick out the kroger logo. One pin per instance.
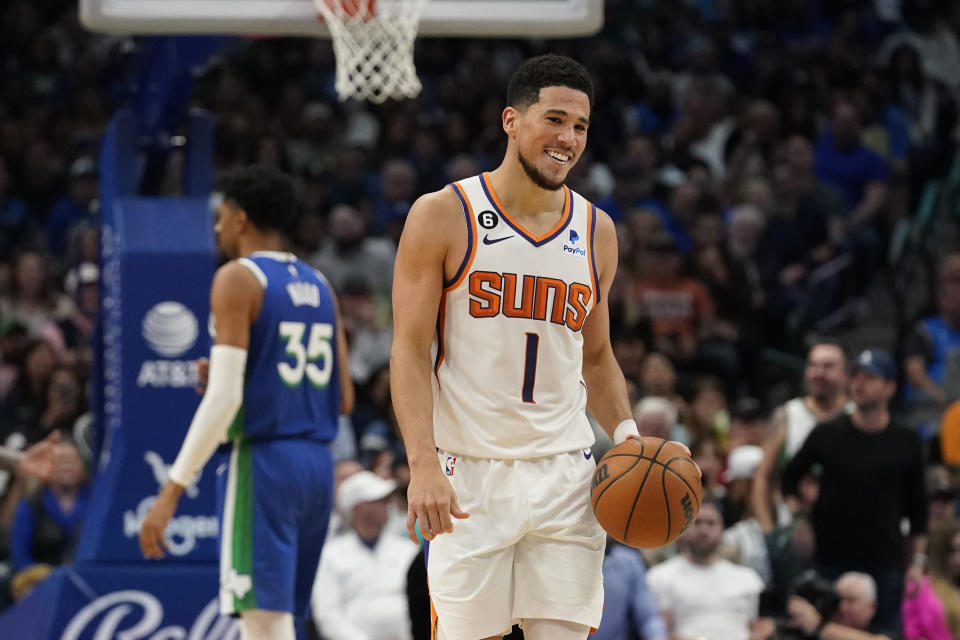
(184, 531)
(170, 329)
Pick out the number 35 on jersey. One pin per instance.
(313, 357)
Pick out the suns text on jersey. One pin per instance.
(540, 298)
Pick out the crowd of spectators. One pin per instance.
(755, 155)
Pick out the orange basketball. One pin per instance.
(646, 492)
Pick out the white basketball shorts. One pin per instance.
(531, 547)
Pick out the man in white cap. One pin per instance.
(745, 535)
(359, 593)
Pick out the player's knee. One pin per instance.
(258, 624)
(543, 629)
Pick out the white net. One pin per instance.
(373, 44)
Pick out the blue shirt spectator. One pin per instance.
(934, 339)
(841, 159)
(73, 207)
(629, 608)
(43, 531)
(46, 527)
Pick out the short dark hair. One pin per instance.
(546, 71)
(266, 195)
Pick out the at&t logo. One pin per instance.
(170, 329)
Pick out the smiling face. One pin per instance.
(549, 135)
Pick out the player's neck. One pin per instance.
(519, 195)
(254, 242)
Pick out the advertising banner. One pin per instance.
(133, 603)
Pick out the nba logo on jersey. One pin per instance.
(448, 467)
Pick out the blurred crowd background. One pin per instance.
(779, 172)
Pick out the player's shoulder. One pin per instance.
(237, 275)
(435, 217)
(442, 203)
(605, 228)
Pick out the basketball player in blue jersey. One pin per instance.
(501, 344)
(276, 385)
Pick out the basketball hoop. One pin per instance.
(373, 44)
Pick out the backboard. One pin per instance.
(500, 18)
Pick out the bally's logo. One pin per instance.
(134, 615)
(572, 248)
(170, 329)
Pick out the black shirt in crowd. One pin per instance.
(869, 483)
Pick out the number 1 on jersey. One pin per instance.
(530, 367)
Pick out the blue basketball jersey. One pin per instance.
(291, 384)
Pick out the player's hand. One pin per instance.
(152, 542)
(432, 501)
(38, 461)
(685, 448)
(203, 372)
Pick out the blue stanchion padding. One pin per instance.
(158, 262)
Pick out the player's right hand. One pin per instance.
(153, 545)
(432, 501)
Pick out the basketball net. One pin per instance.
(373, 44)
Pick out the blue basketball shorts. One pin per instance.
(275, 498)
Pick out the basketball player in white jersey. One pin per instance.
(825, 381)
(501, 341)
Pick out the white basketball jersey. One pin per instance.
(509, 349)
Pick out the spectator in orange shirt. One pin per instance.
(679, 308)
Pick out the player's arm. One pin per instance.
(760, 490)
(607, 397)
(418, 279)
(235, 299)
